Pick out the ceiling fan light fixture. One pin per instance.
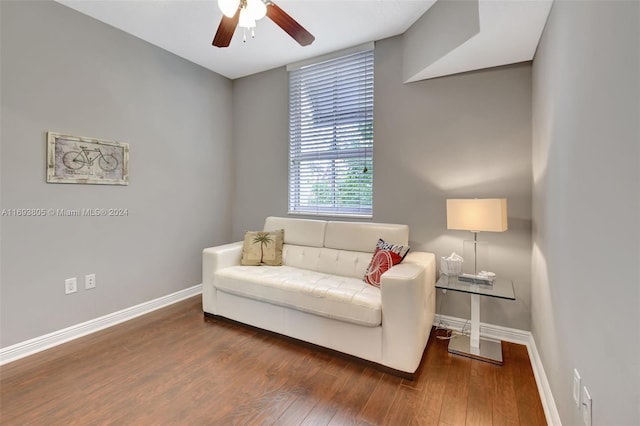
(229, 7)
(245, 13)
(246, 20)
(256, 9)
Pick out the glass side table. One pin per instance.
(473, 346)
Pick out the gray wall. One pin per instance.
(467, 135)
(260, 148)
(64, 72)
(586, 205)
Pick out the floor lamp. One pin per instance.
(477, 215)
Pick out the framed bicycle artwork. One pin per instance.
(74, 159)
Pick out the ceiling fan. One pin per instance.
(245, 13)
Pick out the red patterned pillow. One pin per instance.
(384, 257)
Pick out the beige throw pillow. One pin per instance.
(263, 248)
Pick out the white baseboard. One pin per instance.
(523, 338)
(548, 403)
(38, 344)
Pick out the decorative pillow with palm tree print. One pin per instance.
(263, 248)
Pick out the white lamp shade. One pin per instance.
(486, 214)
(245, 20)
(228, 7)
(257, 9)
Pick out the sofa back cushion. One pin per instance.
(362, 236)
(345, 263)
(301, 232)
(338, 248)
(301, 256)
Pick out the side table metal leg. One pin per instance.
(473, 346)
(475, 323)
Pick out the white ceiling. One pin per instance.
(186, 28)
(509, 31)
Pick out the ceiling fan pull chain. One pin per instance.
(253, 32)
(244, 35)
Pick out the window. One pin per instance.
(331, 136)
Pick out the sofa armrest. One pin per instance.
(213, 259)
(428, 261)
(408, 309)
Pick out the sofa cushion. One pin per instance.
(262, 248)
(334, 262)
(301, 256)
(303, 232)
(343, 298)
(343, 262)
(362, 236)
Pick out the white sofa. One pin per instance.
(319, 296)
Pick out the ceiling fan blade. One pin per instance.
(225, 30)
(289, 25)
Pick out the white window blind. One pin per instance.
(331, 137)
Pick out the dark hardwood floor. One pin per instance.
(174, 366)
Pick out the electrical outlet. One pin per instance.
(576, 387)
(70, 285)
(90, 281)
(586, 407)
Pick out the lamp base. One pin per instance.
(475, 279)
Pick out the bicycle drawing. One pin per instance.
(81, 160)
(75, 160)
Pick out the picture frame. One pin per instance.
(76, 159)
